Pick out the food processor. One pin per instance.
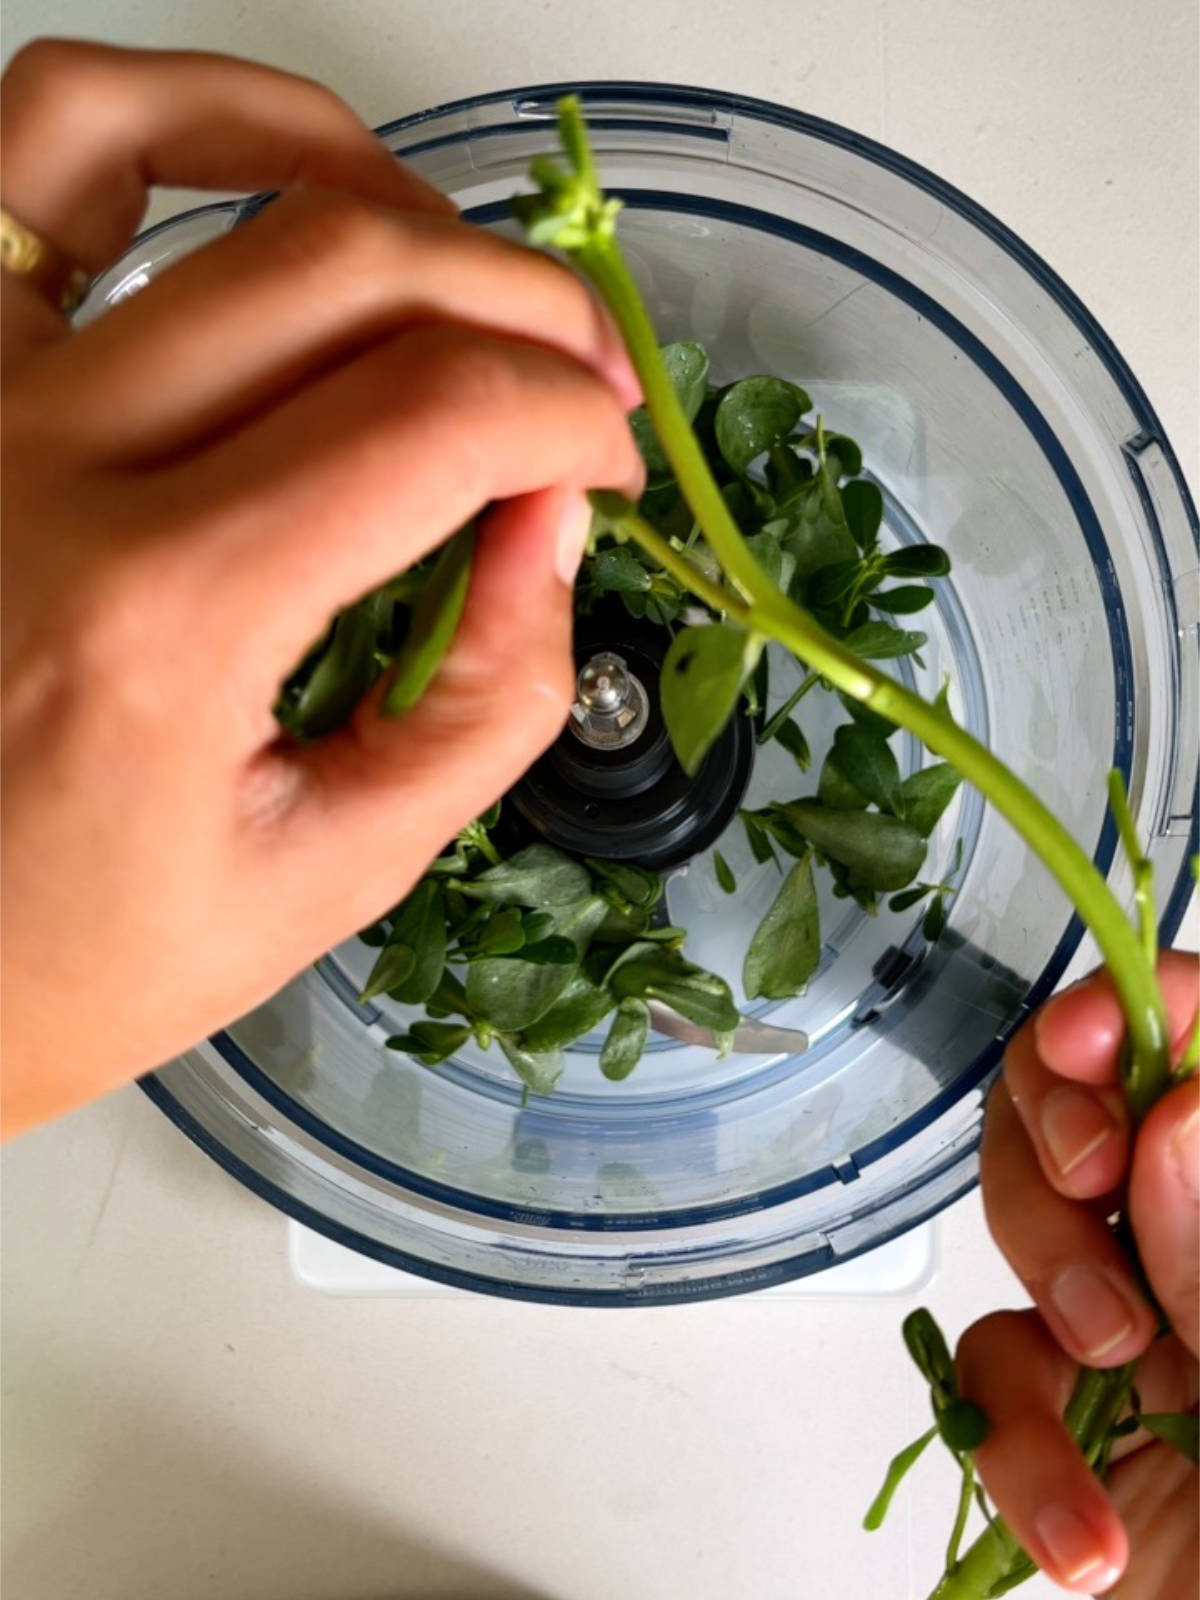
(999, 422)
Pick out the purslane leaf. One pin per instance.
(926, 794)
(790, 735)
(724, 873)
(687, 368)
(537, 876)
(430, 1042)
(862, 504)
(434, 623)
(754, 414)
(786, 946)
(917, 561)
(864, 758)
(538, 1071)
(619, 571)
(338, 678)
(899, 1467)
(904, 600)
(582, 1006)
(702, 677)
(835, 790)
(878, 851)
(411, 963)
(879, 641)
(510, 994)
(1178, 1428)
(700, 996)
(626, 1039)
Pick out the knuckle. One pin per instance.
(330, 236)
(114, 623)
(472, 372)
(50, 61)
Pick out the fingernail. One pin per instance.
(1096, 1313)
(574, 521)
(1075, 1124)
(1186, 1150)
(1075, 1551)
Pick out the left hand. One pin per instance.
(1057, 1149)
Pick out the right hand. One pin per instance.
(193, 485)
(1057, 1148)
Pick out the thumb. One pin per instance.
(381, 799)
(1164, 1206)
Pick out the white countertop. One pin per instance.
(183, 1420)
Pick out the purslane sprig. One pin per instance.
(571, 213)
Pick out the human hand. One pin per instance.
(193, 484)
(1057, 1149)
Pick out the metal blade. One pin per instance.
(750, 1038)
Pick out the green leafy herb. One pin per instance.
(862, 504)
(809, 520)
(434, 623)
(1178, 1428)
(700, 996)
(926, 794)
(879, 641)
(758, 839)
(864, 759)
(898, 1469)
(724, 873)
(619, 570)
(755, 414)
(878, 851)
(411, 962)
(631, 883)
(510, 994)
(537, 876)
(626, 1039)
(933, 924)
(917, 561)
(581, 1006)
(686, 367)
(702, 677)
(342, 671)
(963, 1424)
(538, 1071)
(786, 947)
(791, 736)
(834, 788)
(430, 1043)
(904, 600)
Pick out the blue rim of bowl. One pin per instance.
(671, 96)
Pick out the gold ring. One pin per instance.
(52, 274)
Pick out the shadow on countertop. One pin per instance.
(165, 1516)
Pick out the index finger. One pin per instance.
(1080, 1032)
(89, 129)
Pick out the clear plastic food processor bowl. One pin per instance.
(1001, 423)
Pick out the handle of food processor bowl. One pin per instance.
(1170, 820)
(606, 102)
(155, 249)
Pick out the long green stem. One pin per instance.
(623, 518)
(986, 1562)
(960, 1517)
(1143, 870)
(778, 718)
(995, 1561)
(776, 616)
